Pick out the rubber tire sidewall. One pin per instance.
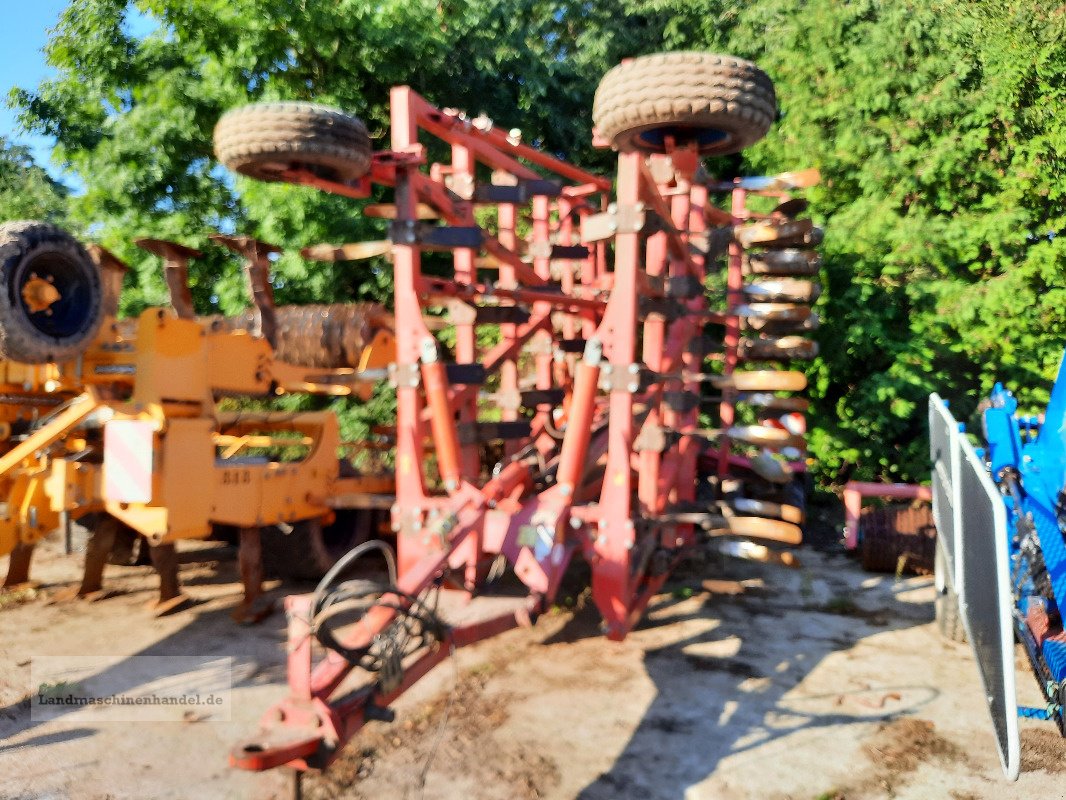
(331, 143)
(696, 91)
(21, 244)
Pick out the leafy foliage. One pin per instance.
(936, 123)
(26, 190)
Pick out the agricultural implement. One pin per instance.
(123, 426)
(1001, 561)
(591, 389)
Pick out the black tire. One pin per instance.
(783, 262)
(721, 103)
(265, 140)
(68, 318)
(946, 604)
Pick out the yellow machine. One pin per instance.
(132, 427)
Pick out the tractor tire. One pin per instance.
(946, 604)
(720, 103)
(782, 262)
(266, 140)
(50, 294)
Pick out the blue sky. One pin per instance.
(22, 39)
(22, 63)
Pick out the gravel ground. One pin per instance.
(766, 682)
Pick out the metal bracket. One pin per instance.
(461, 185)
(652, 438)
(428, 236)
(460, 313)
(629, 378)
(616, 219)
(404, 375)
(409, 521)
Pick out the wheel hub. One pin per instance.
(39, 295)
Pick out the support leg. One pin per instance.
(97, 551)
(165, 561)
(253, 607)
(18, 568)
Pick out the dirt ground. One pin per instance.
(816, 682)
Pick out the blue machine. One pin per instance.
(1026, 457)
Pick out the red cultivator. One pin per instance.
(576, 429)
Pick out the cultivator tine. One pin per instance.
(176, 258)
(765, 508)
(784, 262)
(782, 348)
(754, 380)
(165, 560)
(790, 209)
(18, 566)
(750, 551)
(772, 469)
(388, 211)
(782, 182)
(253, 607)
(773, 402)
(785, 327)
(782, 290)
(764, 436)
(97, 550)
(356, 251)
(773, 312)
(256, 256)
(112, 273)
(772, 530)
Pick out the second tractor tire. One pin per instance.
(268, 140)
(720, 103)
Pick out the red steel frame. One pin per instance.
(589, 488)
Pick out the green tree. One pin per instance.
(937, 125)
(133, 116)
(27, 191)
